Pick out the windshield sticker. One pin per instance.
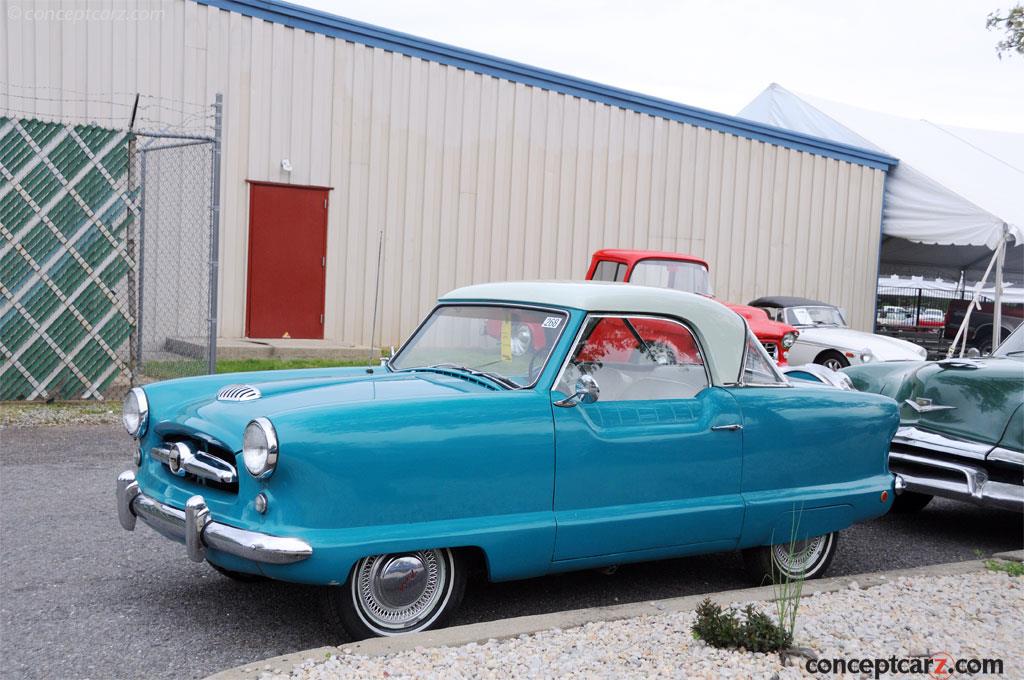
(506, 340)
(552, 322)
(803, 316)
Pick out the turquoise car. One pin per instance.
(524, 429)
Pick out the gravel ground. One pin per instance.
(81, 598)
(48, 415)
(973, 616)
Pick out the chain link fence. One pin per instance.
(177, 285)
(108, 255)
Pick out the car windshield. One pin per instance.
(690, 277)
(509, 345)
(815, 316)
(1013, 346)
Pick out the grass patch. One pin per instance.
(1011, 568)
(165, 370)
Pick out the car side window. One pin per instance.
(606, 270)
(635, 359)
(758, 368)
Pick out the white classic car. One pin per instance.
(826, 339)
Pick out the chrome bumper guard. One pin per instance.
(975, 485)
(196, 529)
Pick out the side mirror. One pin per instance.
(587, 392)
(973, 353)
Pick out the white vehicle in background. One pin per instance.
(891, 315)
(826, 339)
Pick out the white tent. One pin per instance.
(956, 196)
(953, 186)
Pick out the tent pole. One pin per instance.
(961, 333)
(997, 311)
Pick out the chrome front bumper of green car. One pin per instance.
(930, 463)
(194, 527)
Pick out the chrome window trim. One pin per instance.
(626, 315)
(781, 379)
(482, 303)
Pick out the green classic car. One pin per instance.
(961, 431)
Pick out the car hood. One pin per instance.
(224, 421)
(970, 399)
(762, 327)
(882, 347)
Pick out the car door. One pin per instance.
(655, 462)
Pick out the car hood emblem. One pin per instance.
(923, 405)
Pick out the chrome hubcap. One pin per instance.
(833, 364)
(797, 558)
(522, 338)
(397, 592)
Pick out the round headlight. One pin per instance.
(135, 414)
(259, 448)
(788, 339)
(866, 357)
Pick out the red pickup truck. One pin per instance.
(690, 274)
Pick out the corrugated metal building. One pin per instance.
(474, 168)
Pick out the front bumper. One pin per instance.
(196, 529)
(940, 466)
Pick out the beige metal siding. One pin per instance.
(470, 178)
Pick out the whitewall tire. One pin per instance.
(398, 593)
(806, 559)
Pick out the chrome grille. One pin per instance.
(238, 393)
(773, 349)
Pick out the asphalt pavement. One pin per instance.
(81, 598)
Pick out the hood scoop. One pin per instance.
(959, 364)
(238, 393)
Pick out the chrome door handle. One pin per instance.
(720, 428)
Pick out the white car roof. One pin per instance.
(721, 331)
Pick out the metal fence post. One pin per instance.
(218, 106)
(141, 306)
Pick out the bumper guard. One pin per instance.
(196, 529)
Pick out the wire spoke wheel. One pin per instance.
(794, 560)
(804, 559)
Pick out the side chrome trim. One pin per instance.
(196, 528)
(916, 437)
(180, 458)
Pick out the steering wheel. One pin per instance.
(533, 370)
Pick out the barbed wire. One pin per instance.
(150, 113)
(165, 102)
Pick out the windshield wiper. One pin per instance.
(500, 379)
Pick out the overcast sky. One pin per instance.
(929, 59)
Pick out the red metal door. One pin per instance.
(287, 251)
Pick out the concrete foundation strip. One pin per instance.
(525, 625)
